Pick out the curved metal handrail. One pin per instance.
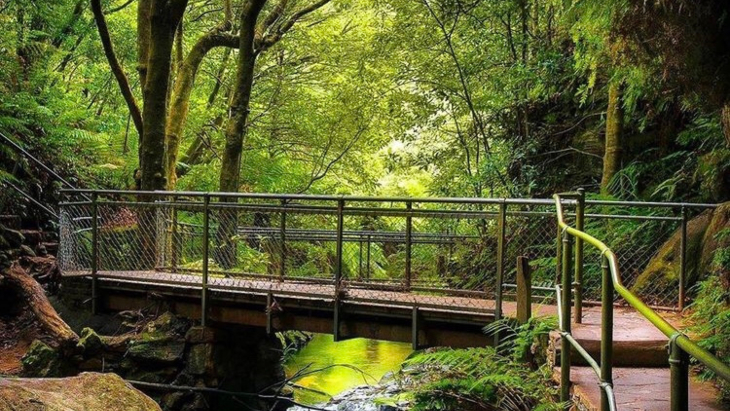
(675, 336)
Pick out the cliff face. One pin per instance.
(703, 240)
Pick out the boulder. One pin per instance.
(42, 361)
(85, 392)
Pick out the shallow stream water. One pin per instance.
(373, 358)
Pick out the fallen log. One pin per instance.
(30, 293)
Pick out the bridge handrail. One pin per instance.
(676, 337)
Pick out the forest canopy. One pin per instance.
(393, 97)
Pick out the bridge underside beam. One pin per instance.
(366, 320)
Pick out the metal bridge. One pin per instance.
(432, 271)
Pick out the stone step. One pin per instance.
(636, 342)
(50, 246)
(644, 389)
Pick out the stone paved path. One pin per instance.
(641, 373)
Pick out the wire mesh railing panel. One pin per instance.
(445, 253)
(310, 242)
(531, 231)
(636, 235)
(74, 253)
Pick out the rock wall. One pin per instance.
(170, 350)
(662, 272)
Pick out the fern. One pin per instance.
(488, 378)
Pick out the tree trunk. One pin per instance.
(180, 105)
(143, 39)
(614, 130)
(236, 129)
(165, 15)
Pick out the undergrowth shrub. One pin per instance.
(711, 313)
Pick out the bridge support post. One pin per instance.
(94, 252)
(206, 243)
(338, 270)
(336, 320)
(578, 283)
(409, 241)
(282, 235)
(606, 331)
(340, 224)
(174, 240)
(416, 324)
(269, 313)
(566, 320)
(501, 233)
(367, 272)
(679, 374)
(524, 290)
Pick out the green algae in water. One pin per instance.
(373, 357)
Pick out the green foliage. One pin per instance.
(484, 379)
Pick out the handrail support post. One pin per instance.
(565, 361)
(578, 281)
(606, 331)
(679, 376)
(683, 261)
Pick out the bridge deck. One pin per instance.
(323, 290)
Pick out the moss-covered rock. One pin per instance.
(661, 275)
(162, 351)
(86, 392)
(42, 361)
(200, 359)
(90, 342)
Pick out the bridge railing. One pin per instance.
(440, 253)
(446, 253)
(681, 348)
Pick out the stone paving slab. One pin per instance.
(636, 342)
(639, 389)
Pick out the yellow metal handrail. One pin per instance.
(680, 344)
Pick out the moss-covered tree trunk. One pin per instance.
(236, 128)
(165, 16)
(614, 130)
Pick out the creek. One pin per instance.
(373, 359)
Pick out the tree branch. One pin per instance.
(116, 68)
(118, 8)
(276, 35)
